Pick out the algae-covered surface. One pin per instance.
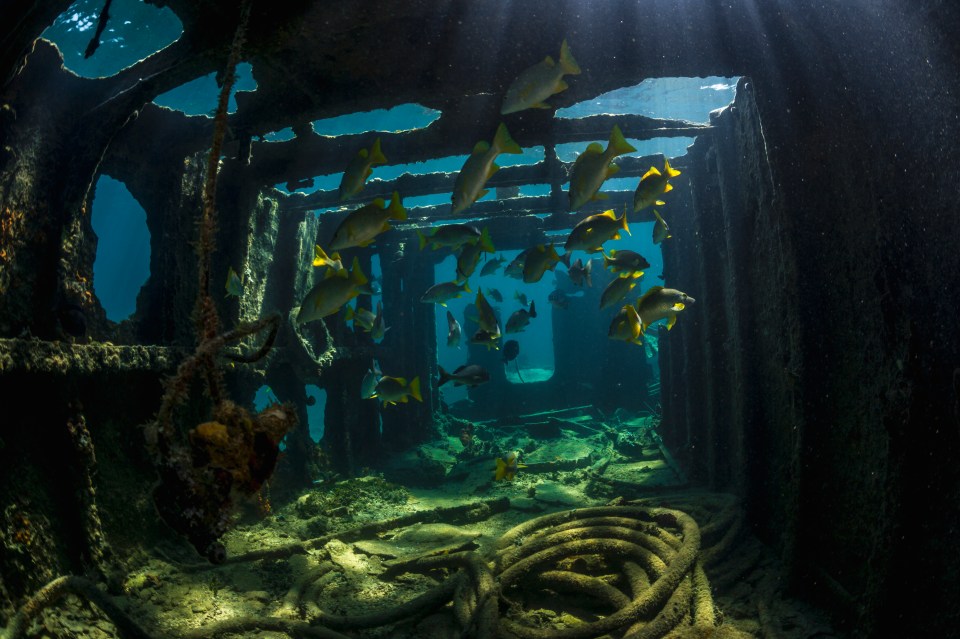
(348, 557)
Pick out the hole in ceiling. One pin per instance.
(199, 96)
(135, 30)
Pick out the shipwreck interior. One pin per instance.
(807, 407)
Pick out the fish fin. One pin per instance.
(533, 309)
(600, 196)
(653, 171)
(493, 169)
(560, 86)
(669, 170)
(549, 62)
(566, 60)
(466, 288)
(415, 389)
(541, 105)
(504, 143)
(625, 226)
(423, 239)
(619, 143)
(668, 188)
(348, 314)
(356, 273)
(613, 169)
(671, 321)
(486, 244)
(397, 212)
(380, 203)
(636, 274)
(376, 155)
(481, 147)
(501, 470)
(444, 377)
(366, 174)
(482, 193)
(679, 306)
(363, 153)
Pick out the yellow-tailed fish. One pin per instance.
(660, 229)
(455, 236)
(538, 82)
(507, 467)
(359, 169)
(652, 185)
(520, 319)
(492, 266)
(486, 318)
(443, 292)
(625, 261)
(330, 294)
(379, 328)
(579, 273)
(592, 231)
(661, 303)
(466, 375)
(393, 390)
(616, 291)
(467, 260)
(361, 227)
(453, 331)
(479, 167)
(540, 260)
(626, 326)
(593, 166)
(486, 338)
(321, 259)
(234, 284)
(360, 316)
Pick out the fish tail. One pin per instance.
(533, 309)
(356, 274)
(501, 471)
(565, 258)
(376, 155)
(415, 389)
(567, 62)
(504, 143)
(423, 239)
(397, 212)
(444, 377)
(623, 224)
(485, 242)
(618, 143)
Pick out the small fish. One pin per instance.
(593, 166)
(486, 318)
(625, 262)
(507, 468)
(486, 338)
(393, 390)
(626, 326)
(492, 266)
(520, 297)
(234, 284)
(443, 292)
(359, 169)
(660, 229)
(511, 348)
(592, 231)
(661, 303)
(321, 259)
(515, 267)
(455, 236)
(479, 167)
(540, 260)
(467, 260)
(361, 227)
(559, 299)
(453, 331)
(652, 185)
(330, 294)
(538, 82)
(520, 319)
(379, 328)
(496, 295)
(616, 291)
(580, 274)
(368, 386)
(361, 317)
(466, 375)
